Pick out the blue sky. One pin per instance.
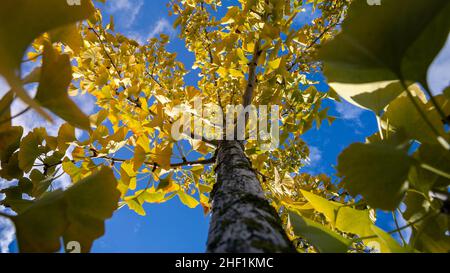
(172, 227)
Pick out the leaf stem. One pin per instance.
(422, 114)
(445, 119)
(434, 170)
(398, 227)
(16, 115)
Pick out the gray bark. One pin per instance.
(242, 221)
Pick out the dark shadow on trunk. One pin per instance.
(242, 221)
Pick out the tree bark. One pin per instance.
(242, 221)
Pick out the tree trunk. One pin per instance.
(242, 221)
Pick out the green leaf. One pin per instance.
(72, 170)
(388, 241)
(322, 205)
(377, 171)
(401, 113)
(52, 93)
(10, 169)
(381, 45)
(5, 111)
(9, 142)
(29, 148)
(323, 239)
(76, 214)
(446, 93)
(66, 134)
(21, 22)
(347, 219)
(435, 157)
(416, 206)
(41, 183)
(430, 235)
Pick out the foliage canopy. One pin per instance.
(375, 57)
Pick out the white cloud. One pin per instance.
(315, 156)
(349, 112)
(439, 72)
(7, 230)
(7, 234)
(4, 87)
(161, 26)
(31, 119)
(126, 11)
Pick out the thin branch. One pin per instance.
(434, 170)
(32, 58)
(440, 139)
(211, 61)
(7, 104)
(135, 102)
(251, 83)
(106, 52)
(444, 117)
(398, 227)
(173, 165)
(16, 115)
(211, 160)
(314, 42)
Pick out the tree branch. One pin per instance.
(135, 102)
(251, 83)
(314, 42)
(16, 115)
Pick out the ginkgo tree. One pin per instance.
(251, 54)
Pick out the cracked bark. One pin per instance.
(242, 221)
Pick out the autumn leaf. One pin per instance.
(52, 93)
(76, 214)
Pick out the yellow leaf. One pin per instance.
(29, 148)
(76, 214)
(273, 65)
(69, 35)
(250, 47)
(162, 156)
(328, 208)
(222, 71)
(66, 134)
(136, 207)
(56, 76)
(150, 196)
(204, 188)
(16, 38)
(188, 200)
(128, 175)
(241, 56)
(236, 73)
